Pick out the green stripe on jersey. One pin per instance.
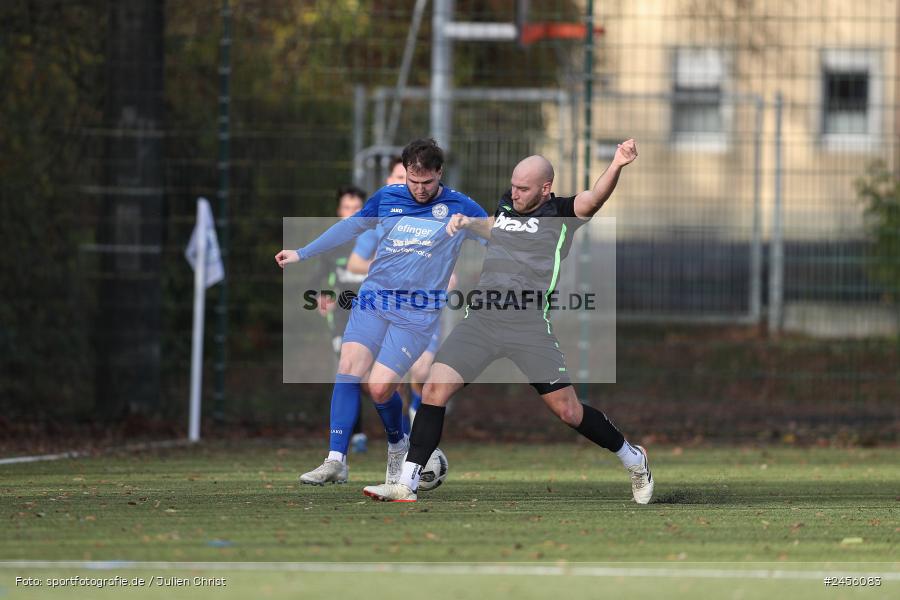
(556, 263)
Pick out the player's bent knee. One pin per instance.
(570, 415)
(437, 394)
(569, 411)
(345, 366)
(381, 391)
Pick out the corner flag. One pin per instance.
(206, 260)
(205, 229)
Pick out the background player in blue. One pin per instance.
(397, 172)
(398, 308)
(342, 271)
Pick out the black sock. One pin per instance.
(426, 433)
(597, 428)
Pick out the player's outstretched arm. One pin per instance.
(338, 234)
(588, 202)
(480, 227)
(286, 257)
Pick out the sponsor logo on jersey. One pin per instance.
(439, 211)
(410, 231)
(422, 253)
(507, 224)
(396, 210)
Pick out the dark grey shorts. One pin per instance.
(528, 341)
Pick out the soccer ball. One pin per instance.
(434, 473)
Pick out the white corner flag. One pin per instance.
(206, 228)
(206, 259)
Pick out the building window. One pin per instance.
(698, 114)
(850, 90)
(846, 102)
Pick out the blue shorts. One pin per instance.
(435, 341)
(396, 338)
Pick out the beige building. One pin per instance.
(684, 77)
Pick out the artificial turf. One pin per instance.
(734, 507)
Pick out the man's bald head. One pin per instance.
(536, 169)
(531, 182)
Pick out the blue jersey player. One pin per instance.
(398, 308)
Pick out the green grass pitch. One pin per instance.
(717, 511)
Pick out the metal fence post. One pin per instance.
(584, 256)
(441, 73)
(379, 124)
(776, 241)
(756, 239)
(224, 167)
(403, 77)
(359, 124)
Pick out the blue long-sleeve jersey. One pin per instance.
(414, 253)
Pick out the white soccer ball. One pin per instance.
(434, 473)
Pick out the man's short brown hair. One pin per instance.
(423, 155)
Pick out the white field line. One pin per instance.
(454, 569)
(85, 453)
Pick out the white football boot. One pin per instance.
(395, 462)
(641, 479)
(330, 471)
(390, 492)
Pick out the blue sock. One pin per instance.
(391, 413)
(415, 400)
(407, 426)
(344, 411)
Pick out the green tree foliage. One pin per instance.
(294, 65)
(49, 58)
(879, 190)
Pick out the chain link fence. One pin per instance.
(756, 286)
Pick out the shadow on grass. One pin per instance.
(693, 496)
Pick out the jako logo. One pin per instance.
(506, 224)
(396, 210)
